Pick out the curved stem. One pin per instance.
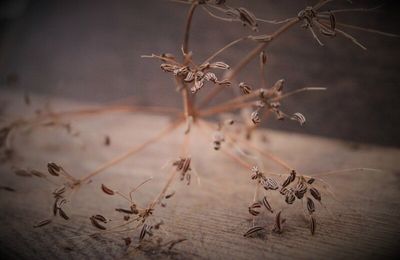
(133, 150)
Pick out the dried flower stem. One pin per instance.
(231, 74)
(133, 150)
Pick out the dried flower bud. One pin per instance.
(224, 82)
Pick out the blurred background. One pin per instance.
(89, 50)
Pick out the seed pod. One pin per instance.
(267, 205)
(300, 190)
(59, 192)
(37, 173)
(252, 208)
(209, 76)
(107, 190)
(253, 230)
(332, 19)
(54, 169)
(289, 179)
(311, 181)
(255, 117)
(204, 66)
(315, 193)
(270, 184)
(126, 211)
(247, 18)
(100, 218)
(189, 76)
(261, 38)
(168, 67)
(245, 88)
(313, 224)
(284, 191)
(219, 65)
(63, 214)
(186, 165)
(299, 118)
(224, 82)
(170, 195)
(263, 58)
(146, 229)
(42, 223)
(22, 173)
(55, 207)
(290, 198)
(96, 224)
(278, 223)
(278, 86)
(310, 205)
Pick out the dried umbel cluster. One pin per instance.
(231, 136)
(293, 188)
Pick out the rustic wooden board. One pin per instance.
(212, 216)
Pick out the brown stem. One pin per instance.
(247, 59)
(133, 150)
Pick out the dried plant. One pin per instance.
(228, 136)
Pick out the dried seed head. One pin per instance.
(315, 193)
(253, 230)
(245, 88)
(107, 190)
(299, 118)
(310, 205)
(219, 65)
(54, 169)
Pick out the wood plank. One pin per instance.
(212, 216)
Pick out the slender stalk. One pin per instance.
(224, 108)
(133, 150)
(247, 59)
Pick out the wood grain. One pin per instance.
(361, 222)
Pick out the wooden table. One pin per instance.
(361, 222)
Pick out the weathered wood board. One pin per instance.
(212, 215)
